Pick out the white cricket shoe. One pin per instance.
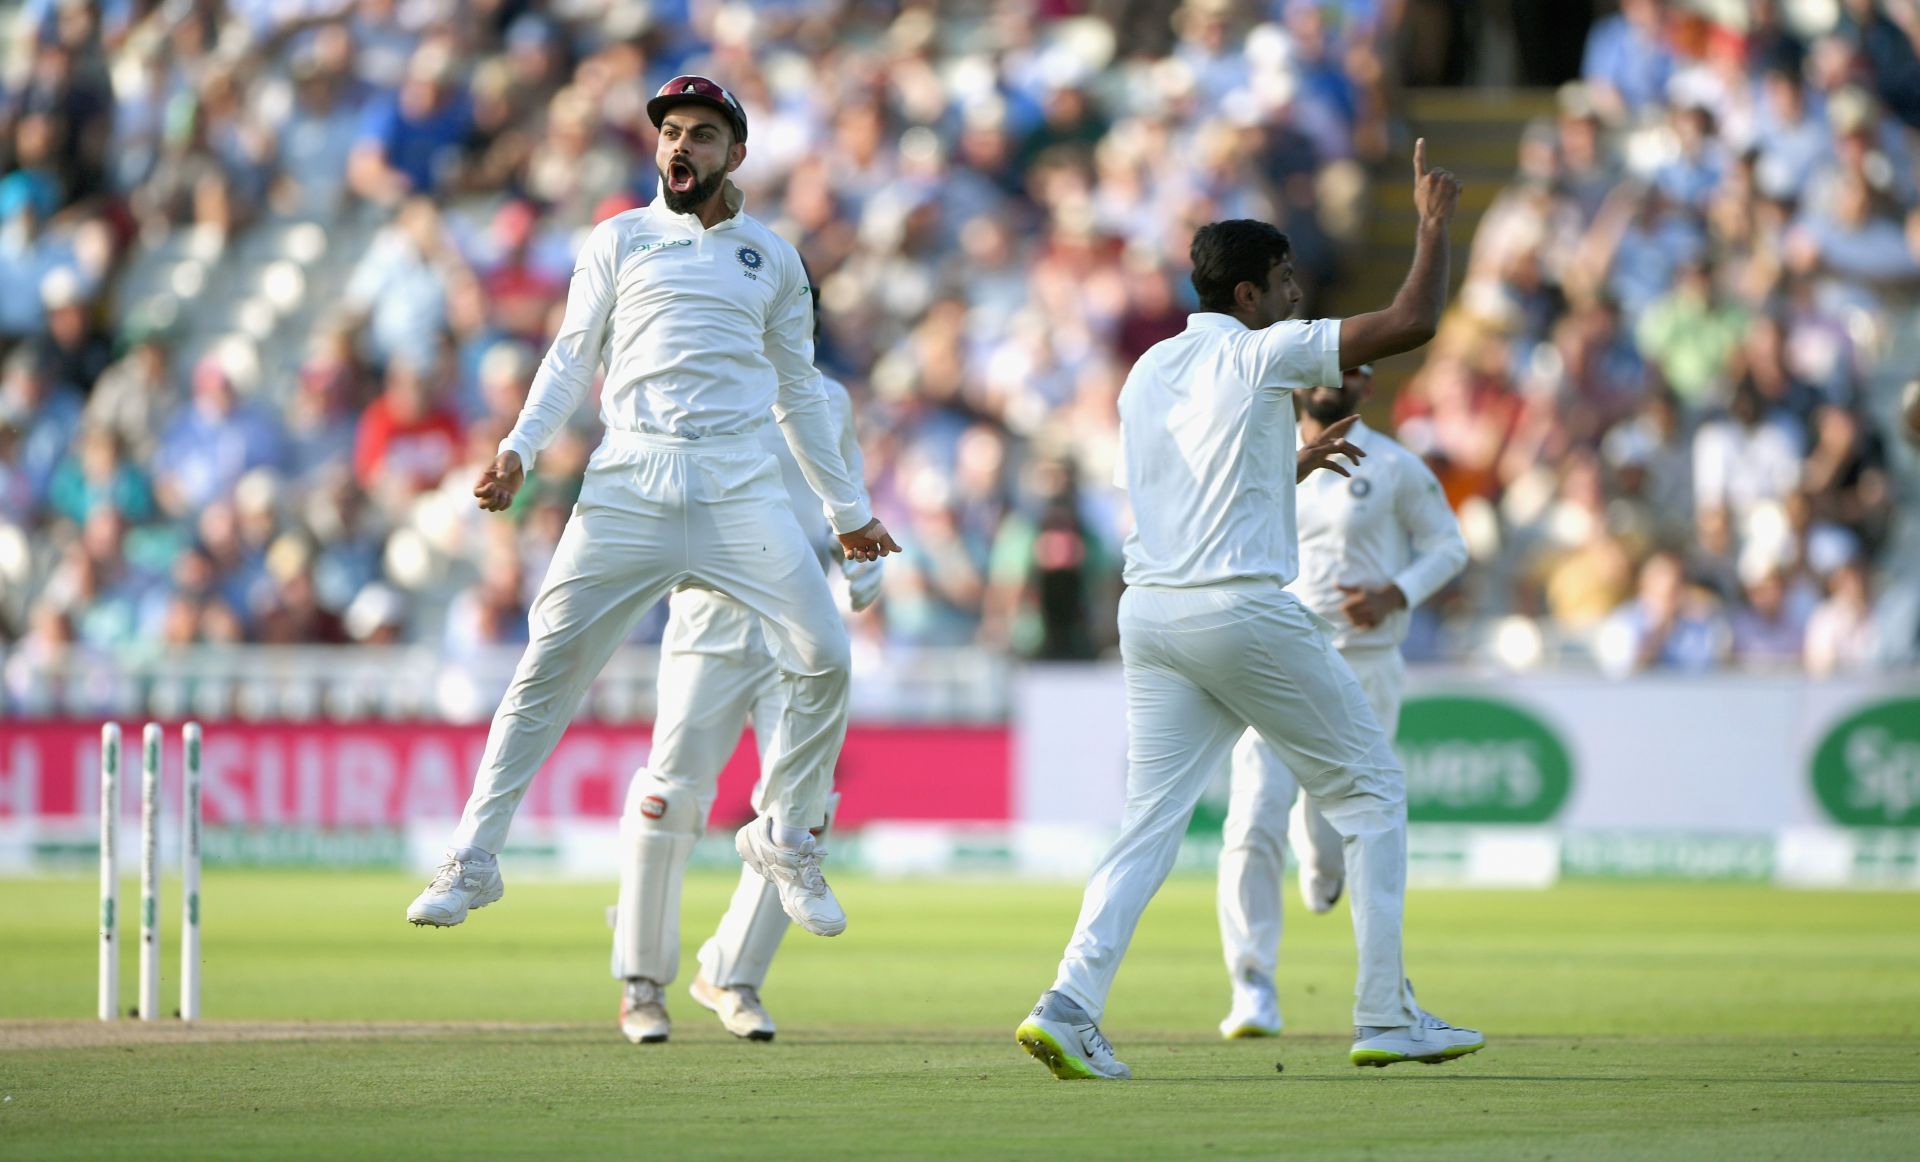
(1430, 1041)
(1061, 1036)
(738, 1007)
(795, 873)
(468, 879)
(1255, 1012)
(1320, 893)
(643, 1012)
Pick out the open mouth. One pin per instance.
(680, 177)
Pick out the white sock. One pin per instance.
(787, 836)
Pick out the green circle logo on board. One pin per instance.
(1866, 772)
(1475, 760)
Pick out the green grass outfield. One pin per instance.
(1624, 1020)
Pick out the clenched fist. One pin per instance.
(499, 481)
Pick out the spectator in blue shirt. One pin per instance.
(1628, 58)
(44, 412)
(411, 139)
(213, 442)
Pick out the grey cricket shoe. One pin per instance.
(1430, 1041)
(795, 874)
(738, 1007)
(468, 879)
(643, 1012)
(1061, 1036)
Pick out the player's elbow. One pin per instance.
(1416, 331)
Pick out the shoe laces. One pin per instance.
(448, 875)
(1093, 1037)
(807, 869)
(749, 996)
(641, 991)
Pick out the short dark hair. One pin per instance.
(1226, 254)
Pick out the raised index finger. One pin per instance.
(1419, 157)
(1338, 428)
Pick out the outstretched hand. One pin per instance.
(499, 481)
(1321, 450)
(870, 543)
(1436, 193)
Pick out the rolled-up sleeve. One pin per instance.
(801, 406)
(567, 372)
(1293, 355)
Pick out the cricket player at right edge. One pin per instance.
(1374, 543)
(1210, 641)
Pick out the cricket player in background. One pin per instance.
(1212, 644)
(1375, 541)
(704, 319)
(717, 671)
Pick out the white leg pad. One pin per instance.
(742, 948)
(657, 834)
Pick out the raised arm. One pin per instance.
(1414, 314)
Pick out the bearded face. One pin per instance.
(685, 188)
(1329, 406)
(695, 154)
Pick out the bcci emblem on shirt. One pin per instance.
(752, 259)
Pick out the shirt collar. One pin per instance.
(1213, 321)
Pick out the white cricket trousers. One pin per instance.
(1257, 831)
(716, 672)
(654, 513)
(1202, 665)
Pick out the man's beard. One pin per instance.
(1330, 409)
(694, 198)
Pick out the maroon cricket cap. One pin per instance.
(697, 91)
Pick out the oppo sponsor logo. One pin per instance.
(1866, 772)
(1476, 760)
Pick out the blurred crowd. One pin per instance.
(1668, 405)
(995, 199)
(277, 272)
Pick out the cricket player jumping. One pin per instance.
(716, 672)
(1211, 643)
(704, 319)
(1375, 541)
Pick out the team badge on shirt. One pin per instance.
(752, 259)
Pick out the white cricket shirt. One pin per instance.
(704, 332)
(1207, 449)
(1389, 522)
(806, 505)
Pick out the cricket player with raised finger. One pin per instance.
(703, 318)
(717, 672)
(1376, 539)
(1211, 643)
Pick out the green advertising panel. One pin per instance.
(1866, 772)
(1479, 760)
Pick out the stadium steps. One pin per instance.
(1476, 134)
